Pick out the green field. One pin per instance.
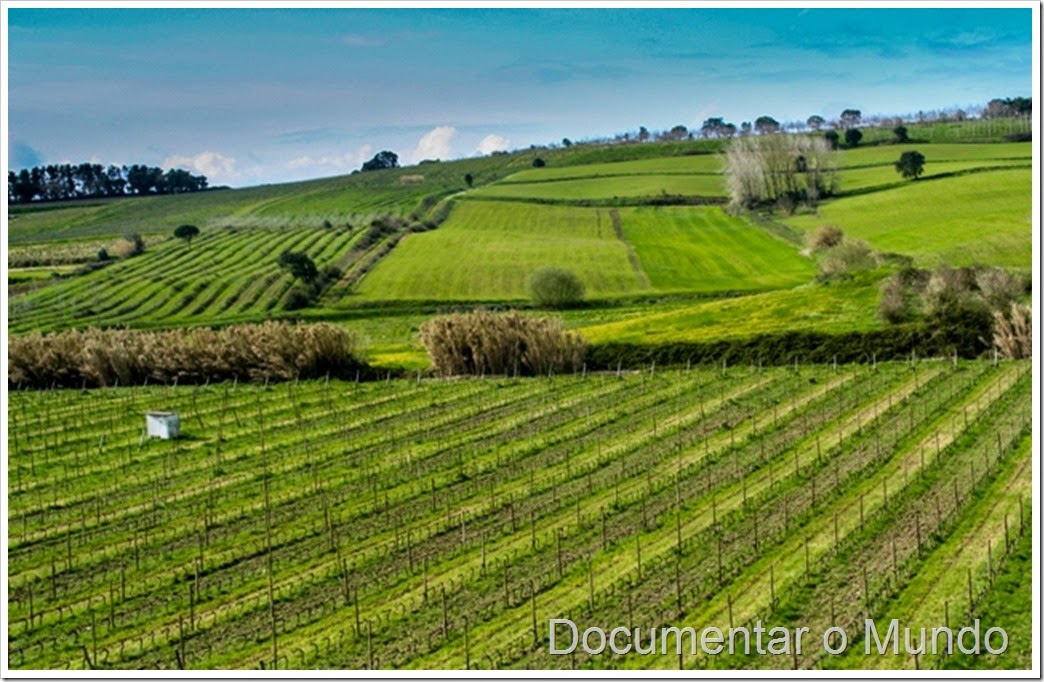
(440, 524)
(487, 250)
(703, 249)
(609, 187)
(695, 164)
(225, 275)
(833, 308)
(983, 218)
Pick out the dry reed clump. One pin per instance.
(1013, 333)
(96, 357)
(485, 343)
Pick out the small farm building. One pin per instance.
(165, 425)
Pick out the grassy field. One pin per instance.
(441, 524)
(983, 218)
(695, 164)
(832, 308)
(487, 250)
(609, 187)
(702, 249)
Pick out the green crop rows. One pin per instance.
(440, 524)
(226, 274)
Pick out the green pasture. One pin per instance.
(486, 251)
(703, 249)
(981, 218)
(885, 154)
(828, 308)
(690, 164)
(866, 178)
(610, 187)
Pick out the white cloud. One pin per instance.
(217, 167)
(435, 144)
(347, 161)
(493, 143)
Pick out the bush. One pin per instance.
(893, 307)
(299, 296)
(848, 256)
(552, 287)
(94, 357)
(485, 343)
(826, 237)
(538, 163)
(999, 287)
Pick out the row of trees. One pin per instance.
(57, 182)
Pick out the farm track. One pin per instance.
(342, 525)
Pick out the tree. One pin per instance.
(382, 160)
(566, 142)
(766, 125)
(186, 232)
(784, 169)
(850, 118)
(815, 121)
(901, 134)
(853, 136)
(678, 132)
(538, 162)
(643, 134)
(910, 164)
(832, 138)
(469, 179)
(552, 287)
(299, 265)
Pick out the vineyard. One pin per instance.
(226, 274)
(431, 523)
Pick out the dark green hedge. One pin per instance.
(892, 343)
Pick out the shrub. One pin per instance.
(826, 237)
(94, 357)
(103, 254)
(538, 163)
(999, 287)
(299, 296)
(849, 255)
(130, 245)
(481, 342)
(893, 307)
(552, 287)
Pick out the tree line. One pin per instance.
(59, 182)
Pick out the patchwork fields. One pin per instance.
(440, 524)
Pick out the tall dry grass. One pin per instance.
(512, 344)
(96, 357)
(1013, 332)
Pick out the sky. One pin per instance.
(250, 96)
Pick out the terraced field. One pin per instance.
(226, 275)
(441, 524)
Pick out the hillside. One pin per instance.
(643, 226)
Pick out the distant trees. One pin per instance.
(850, 118)
(785, 170)
(853, 136)
(552, 287)
(381, 160)
(910, 165)
(469, 179)
(815, 121)
(766, 125)
(832, 139)
(186, 232)
(1008, 107)
(717, 127)
(901, 134)
(60, 182)
(566, 142)
(538, 162)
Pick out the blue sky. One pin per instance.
(250, 96)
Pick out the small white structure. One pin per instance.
(165, 425)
